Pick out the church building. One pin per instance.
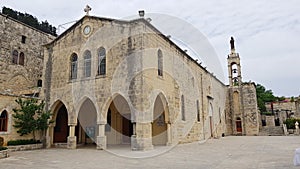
(122, 82)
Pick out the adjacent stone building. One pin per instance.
(281, 110)
(21, 64)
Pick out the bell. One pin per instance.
(234, 70)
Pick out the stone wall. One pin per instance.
(25, 147)
(251, 120)
(4, 154)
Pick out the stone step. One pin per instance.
(271, 131)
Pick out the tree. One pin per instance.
(31, 117)
(264, 96)
(30, 20)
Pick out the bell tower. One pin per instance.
(234, 66)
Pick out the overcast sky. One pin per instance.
(267, 33)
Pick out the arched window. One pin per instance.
(101, 61)
(87, 63)
(74, 59)
(21, 59)
(235, 74)
(160, 63)
(198, 111)
(3, 121)
(15, 55)
(182, 108)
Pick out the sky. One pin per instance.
(267, 33)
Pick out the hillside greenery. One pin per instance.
(30, 20)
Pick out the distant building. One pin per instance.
(281, 110)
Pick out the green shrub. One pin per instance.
(1, 141)
(267, 113)
(2, 148)
(22, 142)
(290, 123)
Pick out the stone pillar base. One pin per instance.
(47, 142)
(101, 142)
(169, 144)
(141, 144)
(71, 142)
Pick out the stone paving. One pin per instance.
(228, 152)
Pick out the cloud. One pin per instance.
(267, 32)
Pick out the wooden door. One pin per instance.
(61, 130)
(239, 126)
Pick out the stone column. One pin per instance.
(169, 134)
(48, 138)
(101, 138)
(297, 128)
(72, 138)
(143, 138)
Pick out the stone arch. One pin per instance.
(160, 63)
(18, 82)
(87, 63)
(59, 130)
(103, 116)
(101, 67)
(118, 120)
(86, 129)
(21, 59)
(3, 121)
(160, 122)
(73, 66)
(234, 71)
(78, 105)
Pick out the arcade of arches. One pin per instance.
(118, 129)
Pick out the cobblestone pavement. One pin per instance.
(229, 152)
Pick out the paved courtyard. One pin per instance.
(229, 152)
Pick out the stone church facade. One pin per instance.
(114, 82)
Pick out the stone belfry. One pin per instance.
(234, 66)
(235, 91)
(242, 117)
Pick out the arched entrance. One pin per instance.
(86, 129)
(119, 127)
(61, 130)
(159, 123)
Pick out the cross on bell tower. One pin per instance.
(87, 9)
(234, 66)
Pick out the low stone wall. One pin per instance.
(25, 147)
(3, 154)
